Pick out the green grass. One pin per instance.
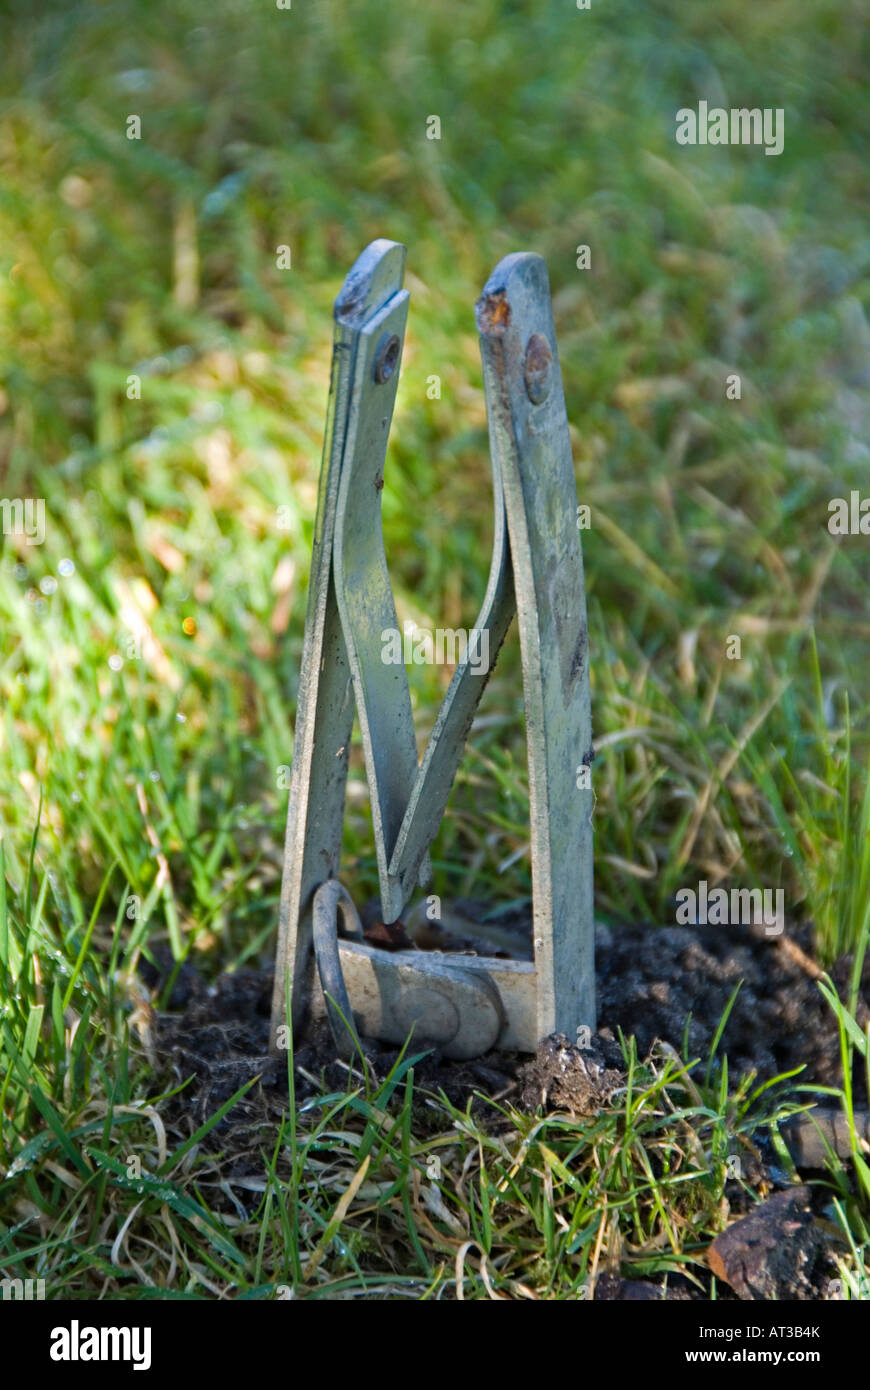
(365, 1191)
(142, 801)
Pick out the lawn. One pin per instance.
(166, 322)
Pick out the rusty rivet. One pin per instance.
(387, 357)
(536, 368)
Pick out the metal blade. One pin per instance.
(325, 706)
(365, 597)
(529, 438)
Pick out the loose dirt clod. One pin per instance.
(773, 1252)
(565, 1077)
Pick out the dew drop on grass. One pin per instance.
(116, 661)
(48, 584)
(154, 775)
(66, 568)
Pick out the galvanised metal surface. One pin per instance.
(351, 606)
(365, 596)
(448, 1006)
(528, 430)
(325, 706)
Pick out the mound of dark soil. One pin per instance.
(669, 983)
(672, 984)
(658, 982)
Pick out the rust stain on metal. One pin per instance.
(536, 367)
(538, 354)
(493, 312)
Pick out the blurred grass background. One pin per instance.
(188, 514)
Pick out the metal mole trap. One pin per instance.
(462, 1004)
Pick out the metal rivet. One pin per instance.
(536, 368)
(387, 357)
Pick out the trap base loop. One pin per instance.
(536, 573)
(464, 1009)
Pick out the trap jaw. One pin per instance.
(464, 1005)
